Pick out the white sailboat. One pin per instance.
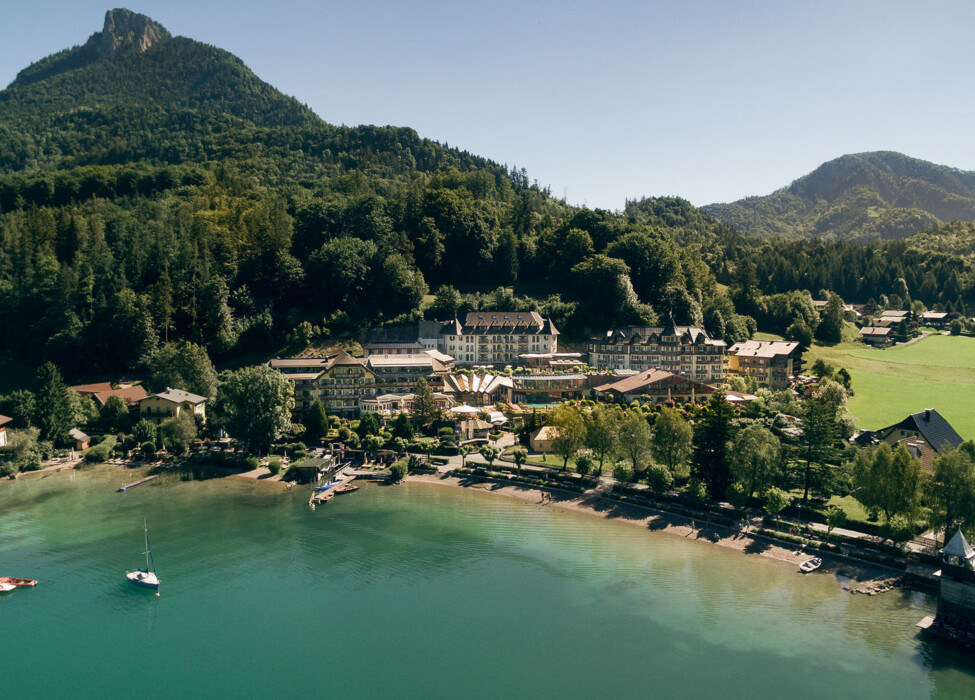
(145, 577)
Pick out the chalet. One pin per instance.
(898, 316)
(926, 430)
(773, 363)
(541, 439)
(4, 420)
(170, 404)
(686, 350)
(497, 337)
(478, 390)
(935, 319)
(132, 394)
(656, 386)
(878, 337)
(344, 382)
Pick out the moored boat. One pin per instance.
(5, 587)
(810, 565)
(145, 577)
(18, 581)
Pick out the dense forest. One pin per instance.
(165, 193)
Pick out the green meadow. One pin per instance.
(935, 372)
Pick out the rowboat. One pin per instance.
(5, 587)
(18, 581)
(810, 565)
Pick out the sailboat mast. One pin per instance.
(149, 552)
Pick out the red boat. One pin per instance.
(18, 581)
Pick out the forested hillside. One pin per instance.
(156, 189)
(860, 197)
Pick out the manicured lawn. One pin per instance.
(767, 336)
(936, 372)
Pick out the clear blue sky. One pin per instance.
(601, 101)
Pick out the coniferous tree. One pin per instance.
(712, 433)
(54, 410)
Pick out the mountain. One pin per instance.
(859, 197)
(152, 188)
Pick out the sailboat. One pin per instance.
(145, 577)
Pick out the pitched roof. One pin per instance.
(501, 322)
(936, 431)
(78, 435)
(4, 420)
(310, 363)
(644, 380)
(958, 547)
(871, 330)
(651, 334)
(763, 348)
(344, 358)
(91, 388)
(546, 432)
(477, 384)
(179, 396)
(101, 391)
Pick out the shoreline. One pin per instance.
(843, 570)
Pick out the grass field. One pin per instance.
(936, 372)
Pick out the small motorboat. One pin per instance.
(327, 486)
(18, 581)
(6, 587)
(810, 565)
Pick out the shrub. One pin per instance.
(274, 464)
(622, 473)
(397, 470)
(96, 455)
(659, 478)
(251, 462)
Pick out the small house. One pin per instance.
(170, 404)
(474, 429)
(541, 439)
(81, 441)
(3, 430)
(878, 337)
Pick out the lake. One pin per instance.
(421, 590)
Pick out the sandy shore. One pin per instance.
(843, 569)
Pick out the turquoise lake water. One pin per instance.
(422, 591)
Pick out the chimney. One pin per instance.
(927, 414)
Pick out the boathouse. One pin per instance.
(955, 619)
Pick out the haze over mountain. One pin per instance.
(863, 196)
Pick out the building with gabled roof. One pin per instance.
(170, 404)
(4, 420)
(497, 337)
(687, 350)
(927, 426)
(773, 363)
(656, 386)
(877, 336)
(131, 394)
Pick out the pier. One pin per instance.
(343, 485)
(140, 482)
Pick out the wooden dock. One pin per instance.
(140, 482)
(344, 485)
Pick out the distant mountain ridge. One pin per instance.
(859, 197)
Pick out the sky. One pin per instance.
(599, 101)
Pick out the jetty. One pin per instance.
(342, 484)
(140, 482)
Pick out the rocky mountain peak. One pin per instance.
(126, 31)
